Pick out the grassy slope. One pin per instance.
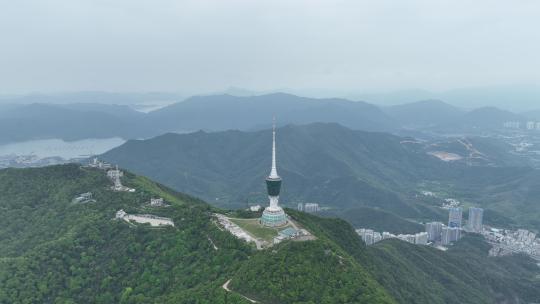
(253, 227)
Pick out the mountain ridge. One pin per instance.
(336, 167)
(224, 112)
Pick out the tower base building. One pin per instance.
(273, 217)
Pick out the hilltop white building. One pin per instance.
(312, 207)
(255, 208)
(476, 216)
(157, 202)
(82, 198)
(154, 221)
(96, 163)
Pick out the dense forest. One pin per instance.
(57, 251)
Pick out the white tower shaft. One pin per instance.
(273, 172)
(274, 201)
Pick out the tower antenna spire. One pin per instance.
(273, 172)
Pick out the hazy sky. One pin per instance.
(203, 45)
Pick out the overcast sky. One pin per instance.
(204, 45)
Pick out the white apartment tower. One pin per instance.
(434, 230)
(476, 216)
(455, 217)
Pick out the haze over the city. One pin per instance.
(270, 151)
(316, 48)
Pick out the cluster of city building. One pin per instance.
(506, 242)
(154, 221)
(440, 234)
(503, 241)
(436, 233)
(309, 207)
(529, 125)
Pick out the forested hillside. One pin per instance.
(320, 162)
(55, 250)
(463, 274)
(421, 274)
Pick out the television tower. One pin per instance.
(273, 215)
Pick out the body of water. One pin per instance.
(59, 148)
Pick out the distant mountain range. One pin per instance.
(72, 121)
(427, 113)
(435, 115)
(224, 112)
(517, 98)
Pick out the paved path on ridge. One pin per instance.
(226, 287)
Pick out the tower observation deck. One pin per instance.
(273, 215)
